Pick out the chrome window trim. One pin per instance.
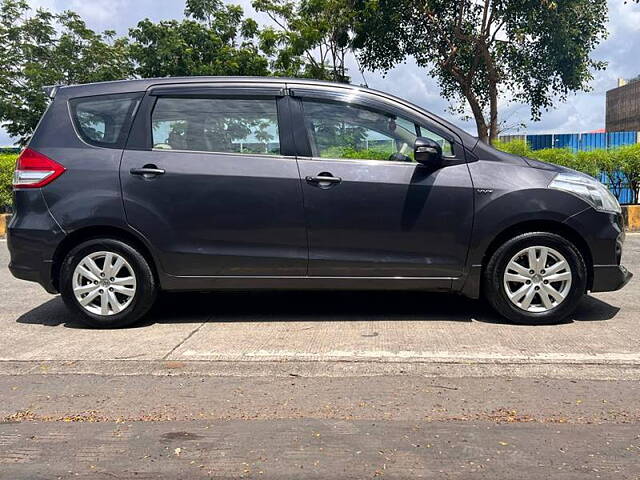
(361, 161)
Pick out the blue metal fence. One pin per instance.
(539, 142)
(618, 139)
(586, 142)
(578, 141)
(593, 141)
(566, 140)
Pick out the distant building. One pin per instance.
(623, 106)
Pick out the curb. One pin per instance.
(4, 221)
(594, 369)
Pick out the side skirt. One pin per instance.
(434, 284)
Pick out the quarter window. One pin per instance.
(227, 125)
(340, 130)
(102, 120)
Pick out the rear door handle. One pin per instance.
(322, 178)
(147, 171)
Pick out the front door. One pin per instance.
(371, 209)
(213, 191)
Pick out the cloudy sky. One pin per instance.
(580, 113)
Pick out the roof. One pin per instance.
(144, 83)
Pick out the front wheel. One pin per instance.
(107, 283)
(535, 278)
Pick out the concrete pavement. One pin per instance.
(320, 333)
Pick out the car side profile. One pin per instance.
(208, 183)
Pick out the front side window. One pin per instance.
(340, 130)
(102, 120)
(225, 125)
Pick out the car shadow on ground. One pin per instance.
(317, 306)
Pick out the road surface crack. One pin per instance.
(191, 334)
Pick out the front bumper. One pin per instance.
(604, 235)
(607, 278)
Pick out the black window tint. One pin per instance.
(447, 147)
(103, 120)
(228, 125)
(341, 130)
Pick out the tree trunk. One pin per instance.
(481, 123)
(493, 114)
(483, 130)
(492, 80)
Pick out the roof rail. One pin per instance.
(50, 90)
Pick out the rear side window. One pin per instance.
(225, 125)
(104, 120)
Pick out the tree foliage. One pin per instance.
(311, 38)
(7, 165)
(484, 51)
(628, 157)
(214, 39)
(43, 48)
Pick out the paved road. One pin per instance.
(319, 449)
(404, 426)
(344, 331)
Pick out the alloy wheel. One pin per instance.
(537, 279)
(104, 283)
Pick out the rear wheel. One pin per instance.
(107, 283)
(535, 278)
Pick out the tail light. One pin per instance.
(35, 170)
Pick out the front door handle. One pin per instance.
(147, 171)
(323, 178)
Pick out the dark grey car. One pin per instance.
(131, 187)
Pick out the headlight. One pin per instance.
(588, 189)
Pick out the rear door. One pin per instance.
(371, 209)
(209, 179)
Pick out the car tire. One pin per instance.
(520, 288)
(128, 294)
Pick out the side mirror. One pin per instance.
(427, 151)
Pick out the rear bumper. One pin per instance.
(32, 239)
(607, 278)
(40, 275)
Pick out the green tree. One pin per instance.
(7, 165)
(628, 158)
(482, 51)
(214, 39)
(44, 48)
(515, 147)
(609, 162)
(311, 38)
